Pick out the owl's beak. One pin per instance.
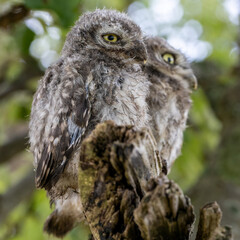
(195, 86)
(193, 82)
(139, 52)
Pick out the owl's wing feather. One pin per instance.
(43, 168)
(64, 138)
(54, 158)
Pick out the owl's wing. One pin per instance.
(64, 137)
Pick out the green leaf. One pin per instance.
(24, 37)
(35, 4)
(67, 11)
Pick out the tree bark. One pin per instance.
(125, 195)
(209, 224)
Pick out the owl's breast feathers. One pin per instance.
(120, 94)
(169, 103)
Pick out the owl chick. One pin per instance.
(98, 77)
(172, 81)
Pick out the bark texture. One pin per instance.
(209, 227)
(125, 195)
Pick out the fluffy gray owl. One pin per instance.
(172, 81)
(98, 77)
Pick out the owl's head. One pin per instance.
(169, 61)
(109, 32)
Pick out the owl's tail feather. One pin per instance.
(64, 218)
(57, 225)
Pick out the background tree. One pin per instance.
(32, 33)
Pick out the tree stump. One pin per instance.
(126, 195)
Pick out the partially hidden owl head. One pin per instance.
(171, 62)
(107, 31)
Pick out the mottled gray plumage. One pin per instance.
(169, 96)
(94, 80)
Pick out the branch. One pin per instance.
(3, 70)
(14, 195)
(20, 83)
(13, 146)
(14, 15)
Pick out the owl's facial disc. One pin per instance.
(169, 61)
(121, 42)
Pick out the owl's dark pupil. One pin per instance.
(169, 59)
(110, 37)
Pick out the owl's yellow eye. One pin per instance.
(111, 37)
(169, 58)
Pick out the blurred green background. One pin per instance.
(32, 33)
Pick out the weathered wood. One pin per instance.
(209, 227)
(115, 164)
(164, 212)
(126, 195)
